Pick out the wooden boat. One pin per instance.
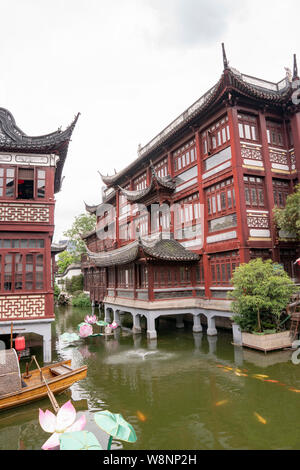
(59, 377)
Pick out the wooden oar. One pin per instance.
(50, 394)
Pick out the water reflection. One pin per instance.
(181, 391)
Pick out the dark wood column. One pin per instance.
(238, 174)
(268, 180)
(295, 125)
(117, 218)
(204, 227)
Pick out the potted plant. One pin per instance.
(262, 290)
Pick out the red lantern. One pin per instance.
(20, 343)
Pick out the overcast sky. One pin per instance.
(130, 67)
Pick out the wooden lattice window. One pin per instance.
(216, 137)
(254, 191)
(281, 190)
(222, 267)
(185, 156)
(275, 134)
(248, 127)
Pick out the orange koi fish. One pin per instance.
(272, 381)
(239, 374)
(260, 418)
(228, 368)
(141, 416)
(221, 403)
(261, 376)
(294, 390)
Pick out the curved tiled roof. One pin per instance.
(164, 183)
(12, 139)
(275, 93)
(165, 250)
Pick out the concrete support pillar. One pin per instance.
(237, 334)
(212, 341)
(107, 315)
(93, 308)
(47, 344)
(136, 329)
(117, 316)
(197, 328)
(211, 326)
(179, 321)
(151, 331)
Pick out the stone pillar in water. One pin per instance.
(151, 331)
(197, 328)
(237, 334)
(136, 329)
(107, 315)
(211, 326)
(212, 341)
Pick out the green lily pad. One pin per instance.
(69, 337)
(102, 323)
(115, 425)
(80, 440)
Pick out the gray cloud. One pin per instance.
(193, 22)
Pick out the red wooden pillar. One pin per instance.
(295, 125)
(117, 218)
(268, 180)
(238, 182)
(170, 164)
(204, 227)
(150, 283)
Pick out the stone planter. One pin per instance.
(267, 342)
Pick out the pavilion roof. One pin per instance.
(159, 249)
(13, 139)
(231, 81)
(157, 183)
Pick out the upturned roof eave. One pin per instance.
(229, 81)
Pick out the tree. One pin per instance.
(288, 219)
(64, 260)
(82, 224)
(262, 290)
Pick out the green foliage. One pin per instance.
(64, 260)
(82, 224)
(261, 292)
(82, 300)
(56, 291)
(74, 284)
(288, 219)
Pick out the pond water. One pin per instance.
(185, 391)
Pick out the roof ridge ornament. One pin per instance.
(225, 61)
(295, 74)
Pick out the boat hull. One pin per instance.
(37, 390)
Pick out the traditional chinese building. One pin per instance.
(217, 172)
(30, 174)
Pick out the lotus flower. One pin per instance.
(91, 319)
(114, 325)
(85, 331)
(57, 425)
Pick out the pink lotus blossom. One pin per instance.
(114, 325)
(57, 425)
(85, 331)
(91, 319)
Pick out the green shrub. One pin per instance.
(82, 300)
(74, 284)
(261, 292)
(56, 291)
